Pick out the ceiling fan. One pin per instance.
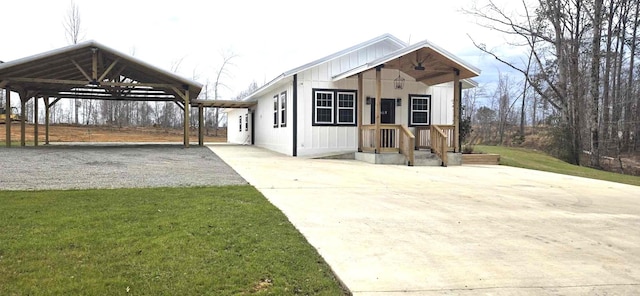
(418, 65)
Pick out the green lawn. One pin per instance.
(531, 159)
(169, 241)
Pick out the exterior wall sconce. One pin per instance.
(369, 99)
(398, 102)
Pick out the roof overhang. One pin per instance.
(439, 65)
(224, 104)
(90, 70)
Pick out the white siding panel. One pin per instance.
(234, 134)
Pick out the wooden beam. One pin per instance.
(55, 101)
(94, 65)
(179, 93)
(456, 110)
(82, 82)
(360, 98)
(7, 117)
(35, 122)
(46, 120)
(180, 105)
(3, 83)
(106, 72)
(81, 70)
(200, 125)
(377, 107)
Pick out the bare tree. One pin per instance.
(74, 33)
(221, 74)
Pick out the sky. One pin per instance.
(266, 37)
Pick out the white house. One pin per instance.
(329, 106)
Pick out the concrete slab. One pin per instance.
(466, 230)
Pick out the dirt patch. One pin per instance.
(91, 133)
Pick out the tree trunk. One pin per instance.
(595, 85)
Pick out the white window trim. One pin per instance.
(411, 111)
(283, 109)
(338, 108)
(276, 110)
(315, 113)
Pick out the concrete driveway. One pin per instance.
(488, 230)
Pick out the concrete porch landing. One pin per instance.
(422, 158)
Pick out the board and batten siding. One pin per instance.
(319, 140)
(279, 139)
(234, 134)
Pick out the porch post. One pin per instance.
(377, 106)
(456, 110)
(35, 121)
(360, 96)
(200, 129)
(7, 116)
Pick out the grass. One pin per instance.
(170, 241)
(536, 160)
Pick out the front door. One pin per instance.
(387, 116)
(388, 113)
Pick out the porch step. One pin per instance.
(421, 157)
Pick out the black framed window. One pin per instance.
(323, 107)
(346, 108)
(240, 128)
(275, 111)
(419, 110)
(246, 122)
(283, 109)
(334, 107)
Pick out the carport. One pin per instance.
(225, 104)
(90, 70)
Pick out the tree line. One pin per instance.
(579, 69)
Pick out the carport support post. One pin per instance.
(7, 116)
(186, 117)
(35, 121)
(23, 115)
(200, 123)
(456, 110)
(46, 120)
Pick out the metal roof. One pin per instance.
(382, 38)
(439, 64)
(90, 70)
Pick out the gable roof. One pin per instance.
(90, 70)
(439, 67)
(385, 38)
(439, 64)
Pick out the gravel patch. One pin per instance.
(116, 166)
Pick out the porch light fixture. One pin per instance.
(399, 81)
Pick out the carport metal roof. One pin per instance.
(90, 70)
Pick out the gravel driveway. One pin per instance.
(121, 166)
